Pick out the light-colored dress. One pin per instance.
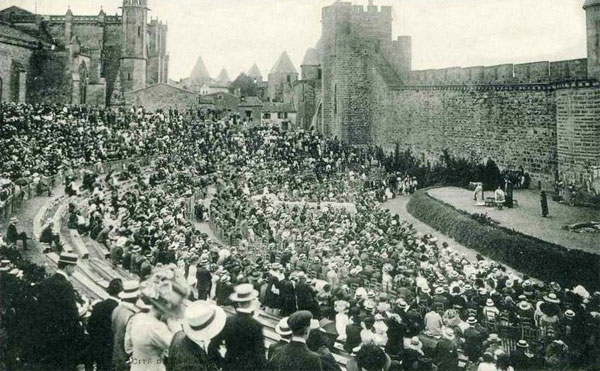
(147, 339)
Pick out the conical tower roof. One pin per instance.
(254, 72)
(311, 58)
(199, 73)
(284, 65)
(223, 76)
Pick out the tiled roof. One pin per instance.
(278, 107)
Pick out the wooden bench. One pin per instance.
(79, 244)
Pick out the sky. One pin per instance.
(235, 34)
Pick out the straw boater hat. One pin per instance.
(243, 293)
(524, 305)
(551, 298)
(203, 321)
(522, 344)
(283, 328)
(68, 258)
(13, 220)
(131, 290)
(489, 302)
(471, 320)
(569, 313)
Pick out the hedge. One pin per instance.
(530, 255)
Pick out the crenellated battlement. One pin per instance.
(524, 73)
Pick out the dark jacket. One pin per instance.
(245, 344)
(47, 235)
(352, 337)
(296, 356)
(60, 332)
(185, 355)
(446, 355)
(203, 283)
(101, 335)
(273, 348)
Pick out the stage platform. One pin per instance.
(527, 217)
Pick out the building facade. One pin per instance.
(87, 59)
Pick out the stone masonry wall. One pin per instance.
(511, 126)
(578, 128)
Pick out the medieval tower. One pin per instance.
(134, 55)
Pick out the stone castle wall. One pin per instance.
(543, 116)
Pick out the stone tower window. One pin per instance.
(139, 31)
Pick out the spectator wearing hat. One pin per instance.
(288, 295)
(446, 353)
(13, 235)
(492, 343)
(202, 322)
(412, 352)
(100, 327)
(305, 295)
(285, 334)
(61, 335)
(223, 290)
(473, 345)
(242, 336)
(203, 279)
(48, 236)
(522, 358)
(296, 356)
(490, 312)
(119, 319)
(370, 358)
(353, 330)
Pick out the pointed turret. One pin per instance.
(254, 73)
(223, 77)
(311, 65)
(199, 73)
(284, 65)
(282, 77)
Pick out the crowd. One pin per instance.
(308, 243)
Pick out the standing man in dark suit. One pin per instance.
(296, 356)
(100, 327)
(120, 317)
(242, 336)
(61, 337)
(203, 279)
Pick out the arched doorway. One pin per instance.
(83, 83)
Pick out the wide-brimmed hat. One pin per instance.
(131, 290)
(522, 344)
(439, 290)
(448, 333)
(244, 292)
(551, 298)
(203, 321)
(524, 305)
(283, 328)
(489, 302)
(569, 313)
(68, 258)
(471, 320)
(494, 337)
